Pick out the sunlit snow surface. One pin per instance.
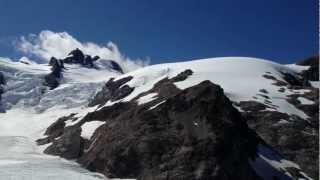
(88, 128)
(19, 160)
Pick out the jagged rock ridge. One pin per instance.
(74, 57)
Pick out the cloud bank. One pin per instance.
(58, 44)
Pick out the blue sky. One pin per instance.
(172, 30)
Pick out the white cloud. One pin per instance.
(58, 44)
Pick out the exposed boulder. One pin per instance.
(68, 145)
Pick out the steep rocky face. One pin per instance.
(112, 91)
(312, 74)
(52, 79)
(186, 137)
(194, 133)
(297, 139)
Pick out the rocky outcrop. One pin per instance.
(195, 134)
(69, 145)
(115, 66)
(311, 74)
(55, 130)
(112, 91)
(78, 57)
(52, 79)
(74, 57)
(296, 138)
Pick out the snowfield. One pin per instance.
(240, 77)
(31, 107)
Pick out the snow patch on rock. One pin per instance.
(147, 98)
(88, 128)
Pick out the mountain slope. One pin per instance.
(254, 86)
(109, 121)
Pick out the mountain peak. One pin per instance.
(76, 56)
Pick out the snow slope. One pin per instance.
(20, 160)
(240, 77)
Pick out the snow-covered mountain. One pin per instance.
(99, 117)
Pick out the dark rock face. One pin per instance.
(52, 79)
(69, 145)
(292, 80)
(295, 138)
(75, 57)
(112, 92)
(55, 130)
(182, 76)
(277, 82)
(251, 106)
(312, 74)
(195, 134)
(115, 66)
